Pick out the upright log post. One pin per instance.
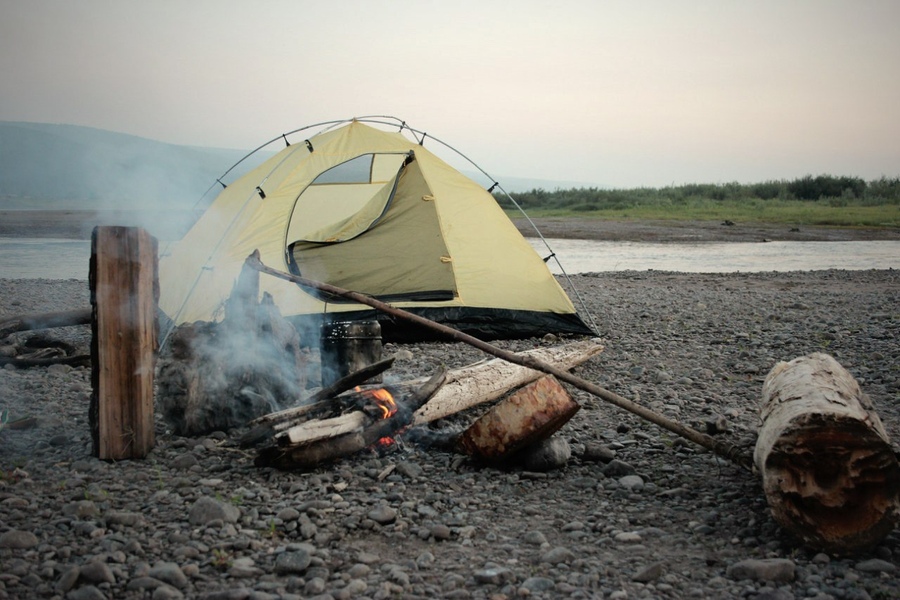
(124, 295)
(828, 469)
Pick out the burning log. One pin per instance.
(462, 389)
(316, 405)
(828, 470)
(310, 453)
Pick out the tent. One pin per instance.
(375, 212)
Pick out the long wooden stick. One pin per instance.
(720, 448)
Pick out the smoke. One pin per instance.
(219, 376)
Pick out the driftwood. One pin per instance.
(310, 454)
(530, 415)
(10, 325)
(23, 362)
(488, 380)
(720, 448)
(827, 467)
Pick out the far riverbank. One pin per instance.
(172, 224)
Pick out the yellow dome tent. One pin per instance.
(372, 211)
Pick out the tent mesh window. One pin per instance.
(370, 225)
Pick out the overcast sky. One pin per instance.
(615, 93)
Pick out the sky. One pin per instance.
(610, 93)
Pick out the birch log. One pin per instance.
(490, 379)
(828, 470)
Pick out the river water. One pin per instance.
(34, 258)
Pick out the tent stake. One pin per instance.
(719, 448)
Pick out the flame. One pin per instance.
(385, 402)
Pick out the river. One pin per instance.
(34, 258)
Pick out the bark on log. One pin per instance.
(10, 325)
(529, 416)
(124, 295)
(488, 380)
(828, 470)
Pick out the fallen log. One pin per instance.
(529, 416)
(10, 325)
(828, 470)
(78, 360)
(720, 448)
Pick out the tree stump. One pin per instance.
(217, 376)
(124, 296)
(828, 470)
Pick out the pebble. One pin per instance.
(428, 523)
(18, 540)
(207, 509)
(766, 569)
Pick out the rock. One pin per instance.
(634, 483)
(558, 555)
(535, 538)
(618, 468)
(166, 592)
(537, 585)
(292, 562)
(18, 540)
(185, 461)
(876, 565)
(779, 570)
(628, 537)
(87, 592)
(208, 509)
(67, 580)
(547, 455)
(169, 572)
(129, 519)
(97, 572)
(649, 573)
(598, 453)
(493, 575)
(383, 514)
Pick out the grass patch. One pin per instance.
(789, 212)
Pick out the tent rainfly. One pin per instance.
(371, 211)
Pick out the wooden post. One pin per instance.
(828, 470)
(124, 295)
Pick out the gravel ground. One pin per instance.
(636, 512)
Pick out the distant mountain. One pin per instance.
(53, 166)
(68, 166)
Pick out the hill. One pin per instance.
(49, 166)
